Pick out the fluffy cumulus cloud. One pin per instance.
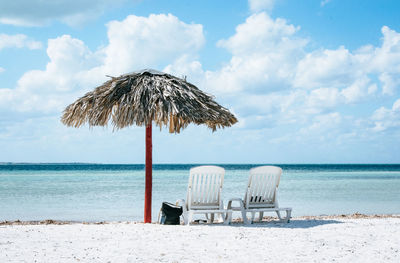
(140, 42)
(387, 118)
(257, 79)
(343, 69)
(386, 61)
(261, 34)
(47, 90)
(339, 76)
(256, 82)
(18, 41)
(134, 43)
(326, 68)
(40, 12)
(258, 46)
(334, 77)
(272, 81)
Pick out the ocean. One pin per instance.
(115, 192)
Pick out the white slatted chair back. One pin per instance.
(262, 186)
(205, 187)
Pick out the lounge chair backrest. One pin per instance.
(262, 186)
(205, 187)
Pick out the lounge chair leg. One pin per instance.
(159, 217)
(288, 214)
(244, 216)
(222, 217)
(261, 216)
(227, 218)
(189, 217)
(279, 215)
(185, 218)
(253, 215)
(212, 218)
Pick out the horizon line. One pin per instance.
(200, 163)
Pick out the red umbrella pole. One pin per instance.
(149, 161)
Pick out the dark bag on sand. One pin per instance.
(170, 214)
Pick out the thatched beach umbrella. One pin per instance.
(143, 97)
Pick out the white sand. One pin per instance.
(321, 240)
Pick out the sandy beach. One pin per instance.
(354, 238)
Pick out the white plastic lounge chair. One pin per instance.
(204, 194)
(261, 194)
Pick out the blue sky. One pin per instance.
(313, 81)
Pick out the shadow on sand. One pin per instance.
(294, 223)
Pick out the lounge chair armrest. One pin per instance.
(235, 200)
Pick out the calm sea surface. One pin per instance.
(91, 192)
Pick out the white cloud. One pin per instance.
(358, 90)
(261, 5)
(390, 83)
(2, 69)
(187, 66)
(18, 41)
(260, 34)
(140, 42)
(326, 68)
(386, 58)
(385, 119)
(40, 12)
(258, 46)
(73, 69)
(322, 98)
(323, 124)
(271, 79)
(357, 74)
(396, 106)
(251, 83)
(47, 90)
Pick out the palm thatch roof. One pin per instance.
(145, 96)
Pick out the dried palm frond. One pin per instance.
(145, 96)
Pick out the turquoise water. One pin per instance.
(116, 192)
